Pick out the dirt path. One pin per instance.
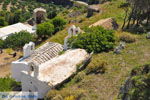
(5, 70)
(5, 63)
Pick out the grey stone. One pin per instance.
(148, 35)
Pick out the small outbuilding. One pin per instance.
(11, 29)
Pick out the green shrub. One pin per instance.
(1, 43)
(18, 40)
(52, 14)
(138, 84)
(58, 23)
(7, 84)
(45, 29)
(95, 39)
(96, 66)
(80, 76)
(128, 38)
(2, 21)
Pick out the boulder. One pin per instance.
(108, 23)
(93, 9)
(75, 14)
(148, 35)
(80, 4)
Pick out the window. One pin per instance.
(32, 68)
(32, 47)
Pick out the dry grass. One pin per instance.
(109, 9)
(106, 86)
(5, 61)
(127, 37)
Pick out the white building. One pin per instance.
(11, 29)
(43, 69)
(38, 56)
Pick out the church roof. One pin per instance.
(44, 53)
(60, 68)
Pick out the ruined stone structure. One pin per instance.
(72, 31)
(39, 15)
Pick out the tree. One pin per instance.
(52, 14)
(1, 43)
(59, 23)
(17, 16)
(125, 6)
(2, 21)
(140, 10)
(17, 40)
(95, 39)
(45, 29)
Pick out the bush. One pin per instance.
(52, 14)
(45, 29)
(137, 86)
(2, 21)
(7, 84)
(58, 23)
(64, 94)
(96, 66)
(77, 78)
(70, 98)
(18, 40)
(128, 38)
(95, 39)
(1, 43)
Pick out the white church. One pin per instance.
(44, 68)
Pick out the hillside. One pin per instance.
(110, 71)
(104, 86)
(14, 11)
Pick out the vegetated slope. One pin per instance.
(13, 11)
(104, 86)
(138, 84)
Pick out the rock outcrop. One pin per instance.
(137, 86)
(93, 9)
(108, 23)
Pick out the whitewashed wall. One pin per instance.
(32, 84)
(17, 67)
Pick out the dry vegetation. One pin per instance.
(5, 61)
(116, 68)
(105, 86)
